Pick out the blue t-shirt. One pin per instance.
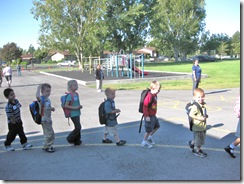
(109, 106)
(197, 70)
(76, 102)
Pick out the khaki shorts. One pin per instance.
(112, 131)
(199, 138)
(238, 129)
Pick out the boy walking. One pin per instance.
(111, 125)
(149, 112)
(45, 90)
(15, 124)
(199, 123)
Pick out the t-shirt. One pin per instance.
(47, 111)
(76, 102)
(198, 125)
(197, 70)
(7, 71)
(13, 110)
(109, 107)
(150, 111)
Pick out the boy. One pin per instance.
(111, 125)
(199, 123)
(149, 112)
(15, 124)
(45, 102)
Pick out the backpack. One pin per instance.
(63, 99)
(188, 109)
(141, 103)
(103, 118)
(36, 110)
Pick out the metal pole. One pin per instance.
(130, 66)
(142, 66)
(117, 67)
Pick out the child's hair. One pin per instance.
(198, 90)
(70, 83)
(109, 91)
(7, 91)
(44, 86)
(155, 84)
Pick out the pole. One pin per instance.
(142, 66)
(117, 67)
(130, 66)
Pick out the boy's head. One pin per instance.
(110, 93)
(199, 95)
(9, 94)
(72, 85)
(46, 89)
(155, 87)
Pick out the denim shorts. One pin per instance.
(152, 124)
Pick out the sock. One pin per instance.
(149, 137)
(232, 146)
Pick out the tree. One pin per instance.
(222, 49)
(178, 24)
(10, 52)
(73, 25)
(235, 43)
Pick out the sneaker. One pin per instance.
(120, 143)
(191, 146)
(200, 153)
(107, 141)
(150, 141)
(230, 150)
(27, 146)
(9, 148)
(49, 150)
(78, 143)
(146, 145)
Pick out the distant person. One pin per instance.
(7, 72)
(230, 148)
(15, 124)
(18, 70)
(42, 95)
(196, 74)
(151, 121)
(75, 136)
(1, 76)
(111, 126)
(99, 78)
(199, 123)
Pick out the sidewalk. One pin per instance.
(170, 159)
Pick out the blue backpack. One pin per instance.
(36, 110)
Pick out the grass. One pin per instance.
(221, 74)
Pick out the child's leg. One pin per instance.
(48, 135)
(75, 136)
(21, 133)
(11, 134)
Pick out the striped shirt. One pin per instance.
(13, 111)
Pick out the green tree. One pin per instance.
(178, 24)
(73, 25)
(10, 52)
(222, 49)
(235, 43)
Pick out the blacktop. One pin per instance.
(169, 160)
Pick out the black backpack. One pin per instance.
(188, 109)
(143, 96)
(102, 113)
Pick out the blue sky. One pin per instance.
(18, 25)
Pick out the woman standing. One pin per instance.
(7, 72)
(196, 74)
(99, 78)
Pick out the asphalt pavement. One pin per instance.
(170, 159)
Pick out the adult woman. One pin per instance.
(7, 72)
(196, 74)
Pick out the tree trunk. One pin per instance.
(176, 53)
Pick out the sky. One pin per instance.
(18, 25)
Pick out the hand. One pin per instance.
(53, 109)
(147, 119)
(117, 110)
(80, 107)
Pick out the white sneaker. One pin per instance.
(27, 146)
(9, 148)
(150, 141)
(146, 145)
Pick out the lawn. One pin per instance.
(222, 74)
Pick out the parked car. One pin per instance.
(203, 58)
(66, 63)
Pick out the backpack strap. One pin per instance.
(198, 107)
(42, 103)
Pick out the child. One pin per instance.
(45, 90)
(99, 78)
(1, 76)
(15, 124)
(74, 137)
(149, 112)
(111, 126)
(7, 72)
(19, 70)
(199, 123)
(230, 148)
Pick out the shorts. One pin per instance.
(112, 131)
(199, 138)
(152, 124)
(8, 77)
(238, 129)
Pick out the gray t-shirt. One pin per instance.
(109, 106)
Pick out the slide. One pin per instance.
(139, 71)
